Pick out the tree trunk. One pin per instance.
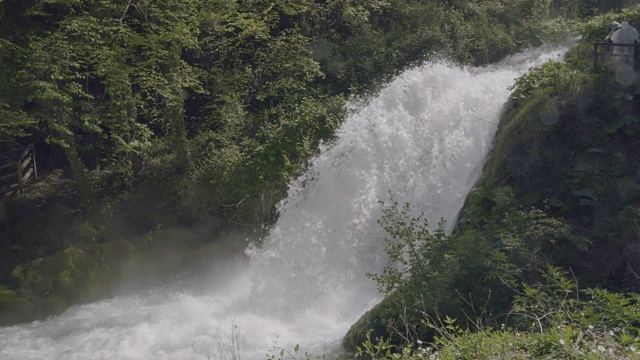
(175, 112)
(82, 181)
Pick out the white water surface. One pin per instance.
(424, 138)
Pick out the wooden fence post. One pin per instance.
(33, 158)
(26, 161)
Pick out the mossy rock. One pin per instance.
(373, 324)
(68, 277)
(60, 274)
(518, 145)
(30, 276)
(111, 251)
(14, 309)
(110, 258)
(163, 252)
(48, 286)
(53, 305)
(169, 238)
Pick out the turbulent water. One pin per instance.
(422, 140)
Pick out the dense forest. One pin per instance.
(152, 114)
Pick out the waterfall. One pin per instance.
(422, 140)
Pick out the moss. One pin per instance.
(29, 276)
(159, 254)
(91, 271)
(64, 281)
(52, 284)
(53, 305)
(14, 309)
(369, 324)
(373, 323)
(517, 145)
(109, 259)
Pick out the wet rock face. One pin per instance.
(88, 272)
(13, 309)
(372, 324)
(50, 285)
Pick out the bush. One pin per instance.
(552, 319)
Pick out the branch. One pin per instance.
(126, 10)
(634, 273)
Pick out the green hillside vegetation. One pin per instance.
(545, 259)
(153, 115)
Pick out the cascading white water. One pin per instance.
(423, 139)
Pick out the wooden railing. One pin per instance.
(15, 176)
(602, 50)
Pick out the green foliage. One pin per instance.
(276, 352)
(596, 28)
(382, 349)
(425, 267)
(553, 320)
(431, 273)
(530, 239)
(108, 79)
(553, 78)
(416, 255)
(565, 145)
(556, 300)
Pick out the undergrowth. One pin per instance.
(552, 319)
